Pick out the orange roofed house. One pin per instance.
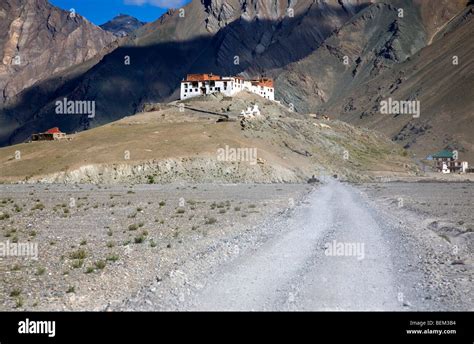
(52, 134)
(195, 85)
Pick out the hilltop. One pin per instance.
(166, 145)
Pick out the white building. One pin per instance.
(201, 84)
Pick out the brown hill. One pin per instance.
(166, 145)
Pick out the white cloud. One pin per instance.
(157, 3)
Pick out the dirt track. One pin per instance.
(384, 266)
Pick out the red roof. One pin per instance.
(264, 82)
(54, 130)
(202, 77)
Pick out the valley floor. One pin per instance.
(396, 246)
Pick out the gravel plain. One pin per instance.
(239, 247)
(99, 244)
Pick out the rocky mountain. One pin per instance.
(337, 57)
(122, 25)
(38, 40)
(399, 65)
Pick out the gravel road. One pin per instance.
(295, 271)
(374, 264)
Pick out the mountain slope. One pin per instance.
(396, 63)
(38, 40)
(373, 41)
(445, 91)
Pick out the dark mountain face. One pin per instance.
(441, 78)
(394, 63)
(122, 25)
(302, 44)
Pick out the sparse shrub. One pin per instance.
(83, 242)
(4, 216)
(210, 221)
(79, 254)
(38, 206)
(162, 203)
(78, 263)
(71, 289)
(19, 302)
(180, 211)
(133, 227)
(112, 258)
(100, 264)
(15, 292)
(40, 271)
(139, 239)
(237, 208)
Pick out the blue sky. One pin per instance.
(100, 11)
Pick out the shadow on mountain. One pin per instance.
(155, 72)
